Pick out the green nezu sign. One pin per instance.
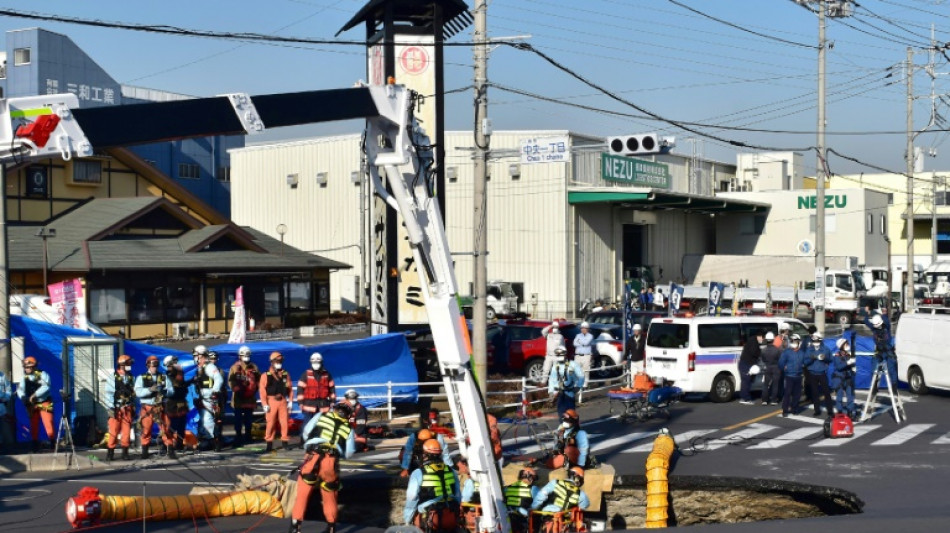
(634, 171)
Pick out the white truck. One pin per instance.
(53, 125)
(500, 300)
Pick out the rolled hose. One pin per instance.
(89, 508)
(658, 489)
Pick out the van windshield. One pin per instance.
(666, 335)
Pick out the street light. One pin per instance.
(45, 233)
(282, 230)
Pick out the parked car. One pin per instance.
(615, 317)
(422, 346)
(527, 347)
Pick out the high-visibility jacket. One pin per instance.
(144, 382)
(438, 481)
(333, 428)
(566, 495)
(518, 495)
(315, 390)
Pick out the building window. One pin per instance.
(182, 301)
(830, 223)
(870, 224)
(752, 225)
(87, 172)
(299, 295)
(147, 305)
(224, 174)
(21, 56)
(890, 198)
(107, 306)
(723, 186)
(883, 224)
(189, 171)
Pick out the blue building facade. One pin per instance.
(38, 61)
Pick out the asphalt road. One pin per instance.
(900, 471)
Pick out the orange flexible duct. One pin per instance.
(658, 489)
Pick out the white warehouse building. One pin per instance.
(568, 230)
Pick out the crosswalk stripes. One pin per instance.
(859, 431)
(942, 440)
(903, 434)
(630, 437)
(787, 438)
(681, 439)
(751, 431)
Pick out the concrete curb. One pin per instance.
(47, 462)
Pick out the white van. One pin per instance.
(923, 361)
(701, 354)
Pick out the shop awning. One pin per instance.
(642, 198)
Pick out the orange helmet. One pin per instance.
(576, 474)
(571, 416)
(275, 356)
(152, 359)
(432, 446)
(528, 474)
(125, 360)
(424, 435)
(29, 361)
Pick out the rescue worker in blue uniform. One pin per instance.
(564, 382)
(817, 359)
(562, 494)
(412, 451)
(883, 344)
(433, 487)
(518, 498)
(792, 365)
(572, 446)
(151, 389)
(208, 383)
(842, 378)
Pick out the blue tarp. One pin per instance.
(863, 350)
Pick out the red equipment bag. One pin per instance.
(838, 427)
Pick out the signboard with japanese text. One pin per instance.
(68, 298)
(634, 171)
(546, 150)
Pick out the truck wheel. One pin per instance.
(490, 314)
(534, 370)
(723, 388)
(915, 381)
(843, 318)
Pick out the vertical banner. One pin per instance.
(69, 301)
(735, 300)
(795, 302)
(415, 68)
(676, 298)
(768, 297)
(715, 299)
(628, 300)
(239, 327)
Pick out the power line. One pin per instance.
(740, 28)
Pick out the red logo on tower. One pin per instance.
(414, 60)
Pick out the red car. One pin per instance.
(527, 347)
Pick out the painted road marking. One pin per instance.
(810, 419)
(787, 438)
(942, 440)
(631, 437)
(903, 435)
(681, 439)
(738, 437)
(859, 431)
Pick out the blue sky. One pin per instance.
(755, 67)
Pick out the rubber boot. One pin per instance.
(171, 453)
(110, 455)
(125, 454)
(145, 454)
(217, 444)
(270, 447)
(295, 526)
(331, 528)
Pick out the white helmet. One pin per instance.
(585, 325)
(637, 327)
(877, 321)
(560, 350)
(201, 349)
(785, 326)
(351, 394)
(770, 336)
(842, 342)
(244, 350)
(315, 357)
(169, 361)
(817, 336)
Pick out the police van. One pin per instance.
(922, 360)
(701, 354)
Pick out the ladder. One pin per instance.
(898, 406)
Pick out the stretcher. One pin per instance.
(643, 404)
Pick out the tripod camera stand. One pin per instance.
(892, 392)
(65, 433)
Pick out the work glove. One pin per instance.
(153, 389)
(821, 357)
(852, 361)
(754, 370)
(266, 409)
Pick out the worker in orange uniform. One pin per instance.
(34, 392)
(316, 391)
(358, 419)
(326, 438)
(120, 398)
(243, 379)
(275, 390)
(152, 388)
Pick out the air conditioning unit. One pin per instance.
(180, 329)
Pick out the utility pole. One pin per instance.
(6, 357)
(480, 223)
(933, 221)
(909, 156)
(820, 184)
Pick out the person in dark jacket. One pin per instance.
(770, 370)
(817, 359)
(636, 344)
(884, 353)
(751, 353)
(842, 378)
(792, 365)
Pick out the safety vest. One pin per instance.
(518, 495)
(202, 380)
(124, 390)
(566, 495)
(158, 379)
(276, 383)
(31, 383)
(357, 413)
(316, 388)
(437, 483)
(333, 428)
(567, 439)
